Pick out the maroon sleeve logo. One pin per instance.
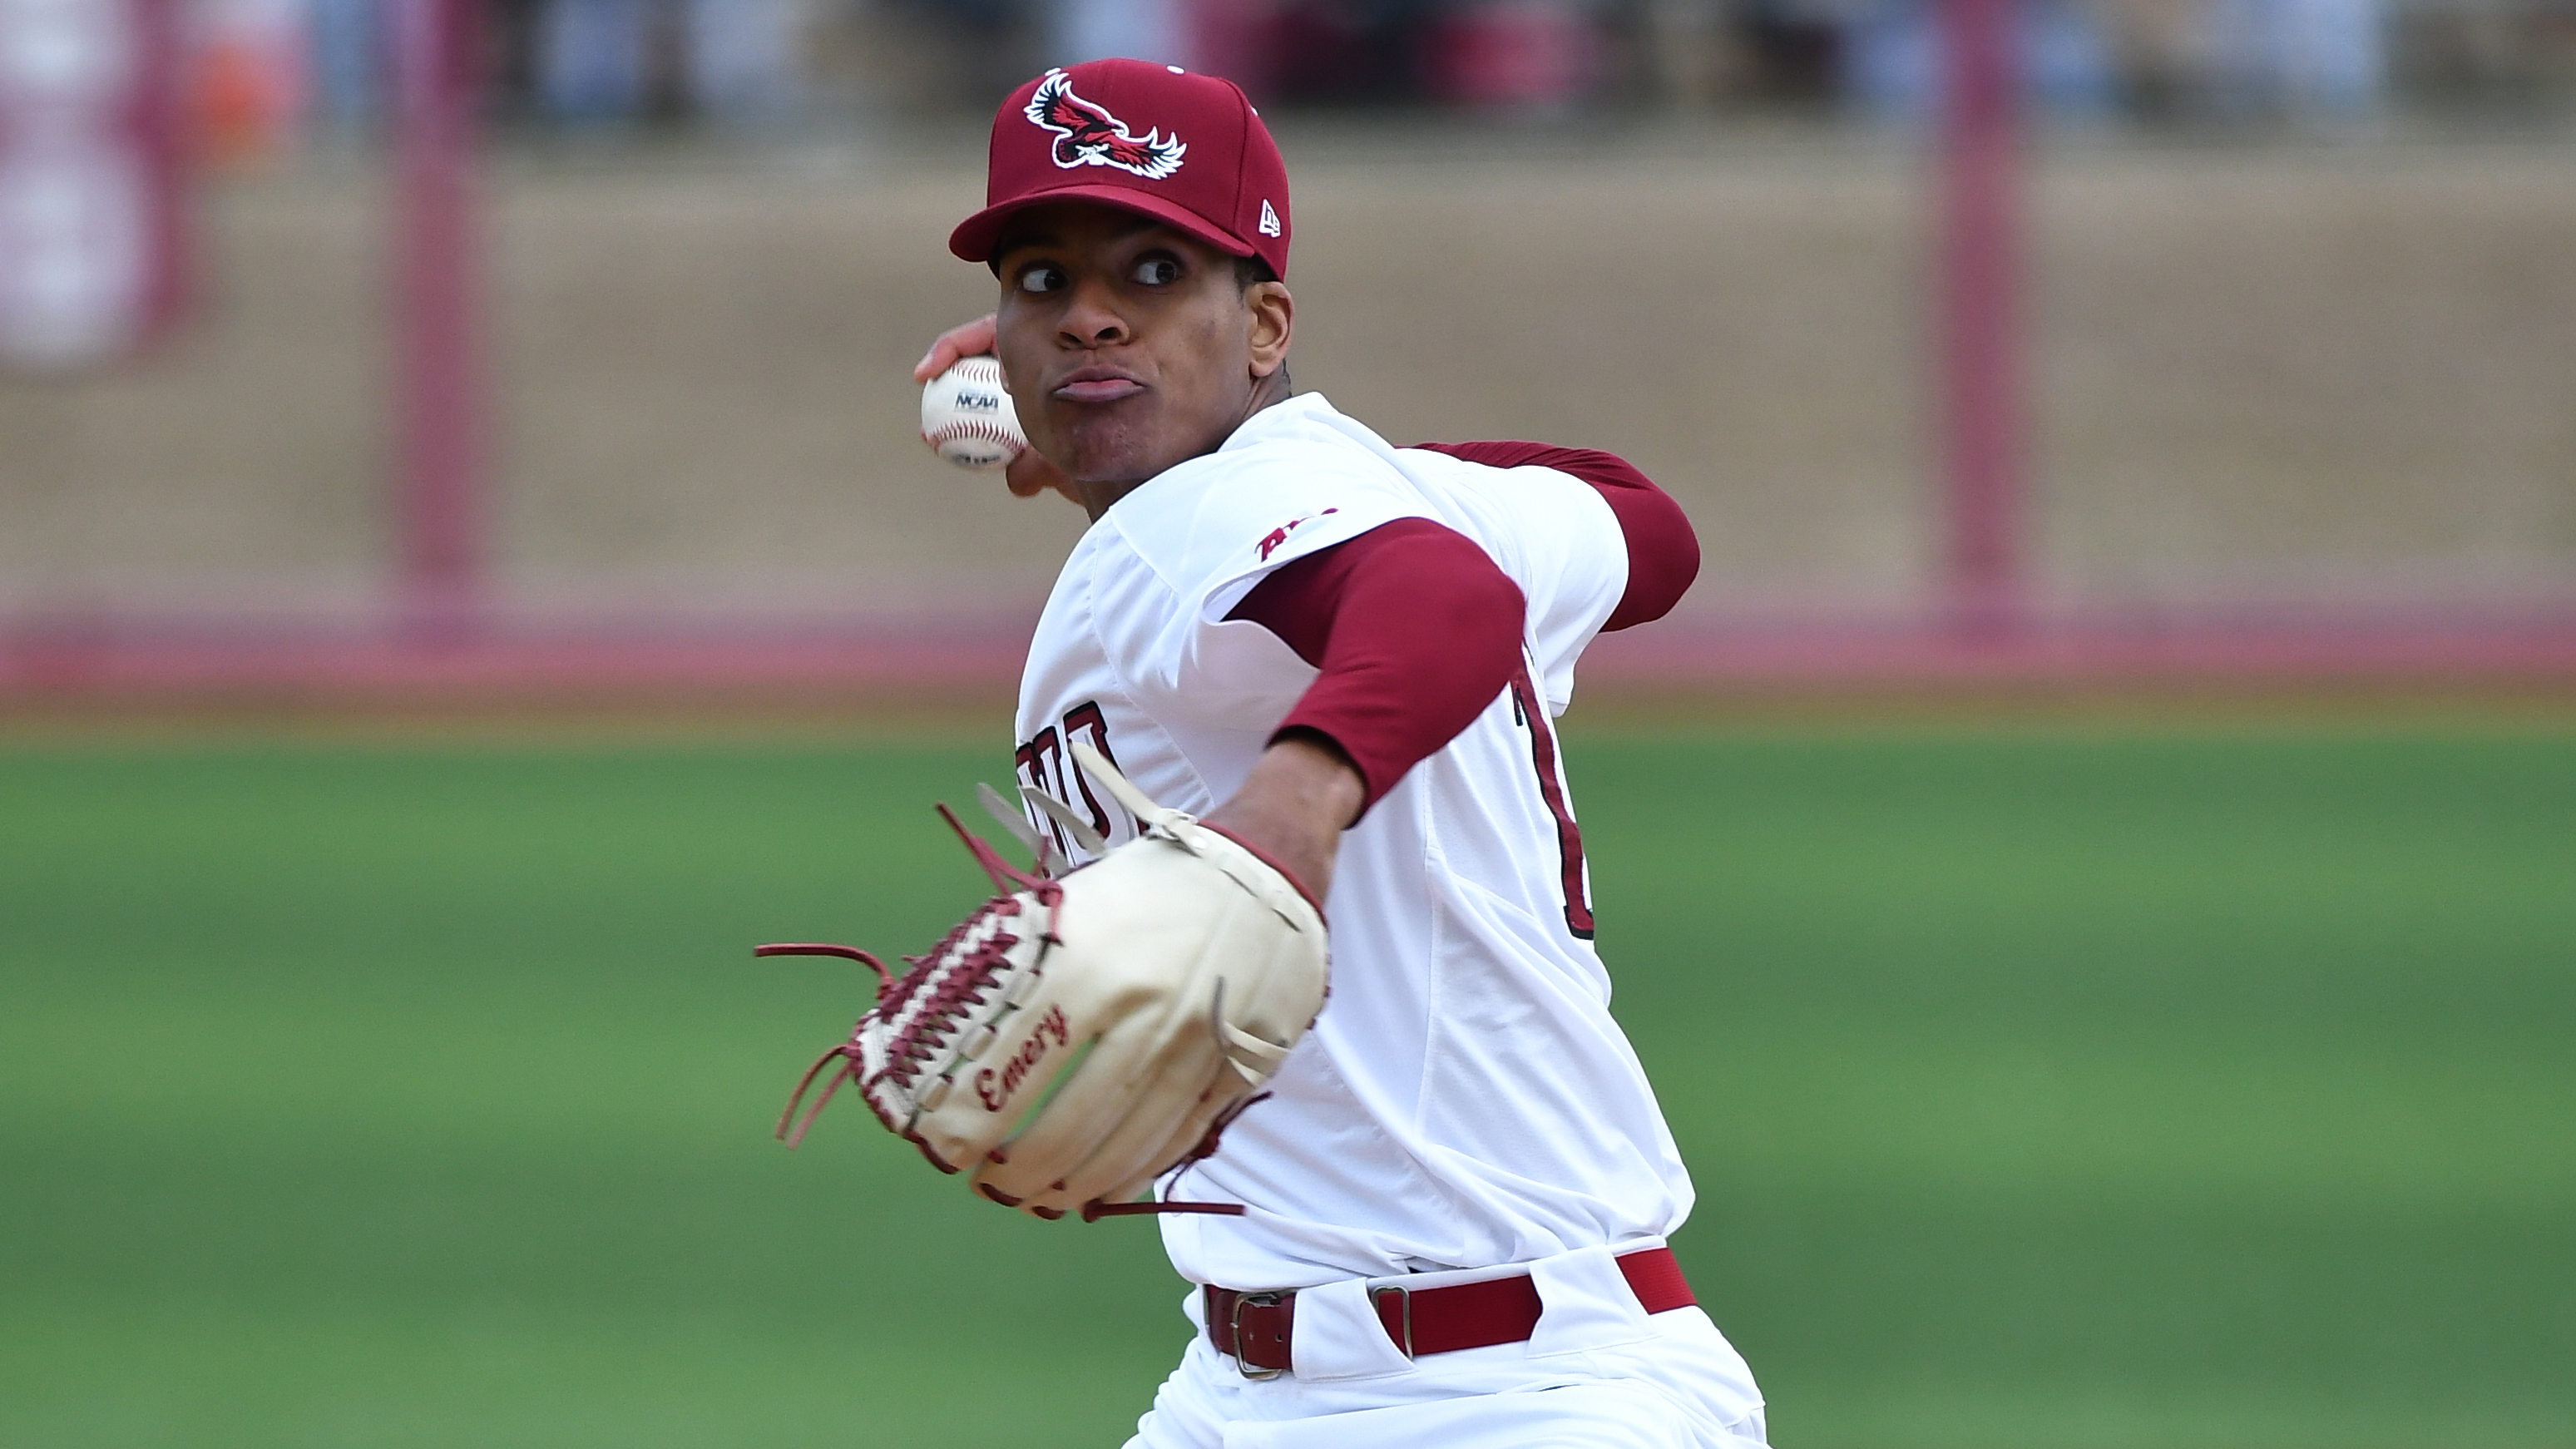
(1271, 541)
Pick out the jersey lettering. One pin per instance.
(1039, 762)
(1045, 764)
(1274, 538)
(1082, 717)
(1528, 711)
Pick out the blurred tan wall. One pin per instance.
(2342, 371)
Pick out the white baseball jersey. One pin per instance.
(1465, 1099)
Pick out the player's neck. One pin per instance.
(1098, 496)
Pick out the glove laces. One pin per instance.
(844, 1059)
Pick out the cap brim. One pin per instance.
(974, 237)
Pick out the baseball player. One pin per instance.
(1445, 1223)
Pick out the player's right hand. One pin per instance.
(1030, 474)
(966, 339)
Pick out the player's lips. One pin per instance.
(1097, 385)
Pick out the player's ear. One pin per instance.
(1274, 317)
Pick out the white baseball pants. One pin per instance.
(1599, 1373)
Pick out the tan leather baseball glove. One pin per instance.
(1075, 1039)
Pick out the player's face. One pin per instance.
(1128, 346)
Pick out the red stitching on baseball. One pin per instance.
(971, 428)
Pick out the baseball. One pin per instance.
(967, 419)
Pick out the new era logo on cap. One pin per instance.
(1186, 150)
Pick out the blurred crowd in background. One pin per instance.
(2303, 329)
(104, 102)
(271, 69)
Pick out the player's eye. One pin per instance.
(1042, 278)
(1158, 271)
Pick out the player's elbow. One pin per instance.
(1663, 557)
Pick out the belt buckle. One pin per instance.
(1404, 1297)
(1234, 1328)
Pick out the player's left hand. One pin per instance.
(1077, 1038)
(1030, 474)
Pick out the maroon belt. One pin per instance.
(1253, 1327)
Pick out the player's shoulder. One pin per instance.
(1532, 519)
(1295, 474)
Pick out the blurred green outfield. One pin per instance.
(2059, 1089)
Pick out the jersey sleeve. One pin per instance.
(1205, 543)
(1663, 552)
(1554, 535)
(1413, 632)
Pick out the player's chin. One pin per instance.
(1102, 447)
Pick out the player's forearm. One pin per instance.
(1302, 794)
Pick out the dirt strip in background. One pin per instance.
(2259, 372)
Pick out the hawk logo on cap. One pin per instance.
(1088, 135)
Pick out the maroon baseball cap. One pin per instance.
(1187, 150)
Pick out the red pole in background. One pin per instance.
(439, 434)
(159, 118)
(1980, 284)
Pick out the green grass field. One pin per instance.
(2052, 1089)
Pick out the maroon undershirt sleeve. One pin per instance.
(1415, 631)
(1663, 553)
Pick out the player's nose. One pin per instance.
(1091, 317)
